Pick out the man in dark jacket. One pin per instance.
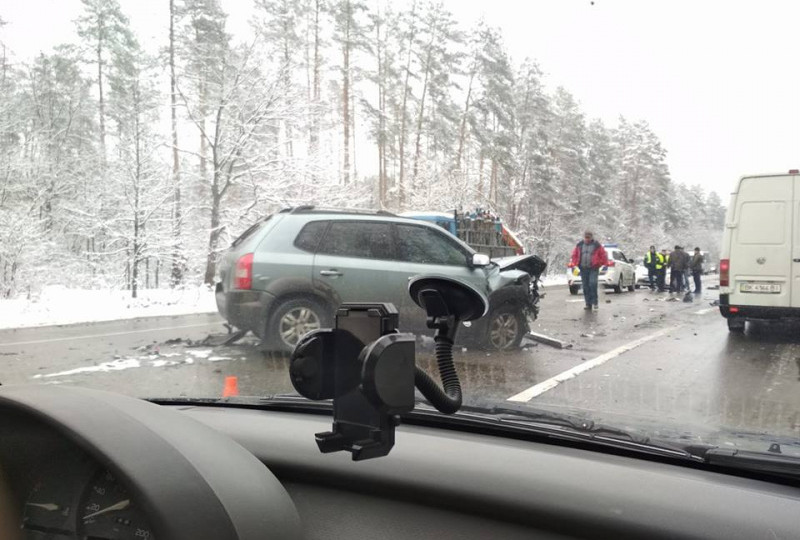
(696, 268)
(589, 255)
(678, 264)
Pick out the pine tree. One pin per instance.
(494, 122)
(599, 196)
(204, 46)
(178, 257)
(105, 28)
(143, 192)
(349, 35)
(568, 136)
(278, 22)
(437, 58)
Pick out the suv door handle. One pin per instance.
(796, 260)
(332, 273)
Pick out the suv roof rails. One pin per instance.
(311, 208)
(297, 209)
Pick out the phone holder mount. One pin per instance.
(368, 368)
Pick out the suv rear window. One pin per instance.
(308, 238)
(363, 239)
(250, 231)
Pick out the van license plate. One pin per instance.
(767, 288)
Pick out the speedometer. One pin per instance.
(108, 512)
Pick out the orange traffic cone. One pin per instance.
(231, 387)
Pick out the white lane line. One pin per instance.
(552, 382)
(578, 300)
(704, 311)
(110, 334)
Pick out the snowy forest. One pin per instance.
(129, 169)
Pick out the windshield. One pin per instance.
(622, 174)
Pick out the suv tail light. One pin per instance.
(243, 278)
(611, 263)
(724, 272)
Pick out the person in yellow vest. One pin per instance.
(662, 271)
(653, 261)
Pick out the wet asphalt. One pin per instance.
(643, 360)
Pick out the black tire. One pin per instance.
(505, 328)
(736, 326)
(632, 287)
(574, 290)
(618, 286)
(291, 320)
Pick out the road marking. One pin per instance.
(110, 334)
(704, 311)
(552, 382)
(578, 300)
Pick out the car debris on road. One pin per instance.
(547, 340)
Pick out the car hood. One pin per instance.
(530, 264)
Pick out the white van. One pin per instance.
(759, 270)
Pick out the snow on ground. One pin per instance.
(554, 280)
(60, 305)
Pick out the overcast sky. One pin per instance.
(717, 81)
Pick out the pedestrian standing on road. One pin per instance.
(696, 267)
(687, 259)
(678, 263)
(651, 262)
(661, 269)
(589, 255)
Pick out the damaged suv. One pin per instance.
(286, 275)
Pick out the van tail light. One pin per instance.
(611, 264)
(724, 272)
(243, 279)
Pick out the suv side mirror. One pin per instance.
(480, 260)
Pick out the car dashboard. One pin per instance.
(94, 465)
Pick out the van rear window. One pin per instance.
(762, 223)
(250, 231)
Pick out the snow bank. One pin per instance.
(554, 280)
(60, 305)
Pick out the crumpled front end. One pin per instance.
(516, 280)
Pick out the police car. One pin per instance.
(618, 275)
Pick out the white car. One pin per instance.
(618, 275)
(642, 274)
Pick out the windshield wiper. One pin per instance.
(560, 426)
(770, 462)
(275, 401)
(583, 425)
(506, 419)
(546, 423)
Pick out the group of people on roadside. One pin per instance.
(680, 263)
(589, 256)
